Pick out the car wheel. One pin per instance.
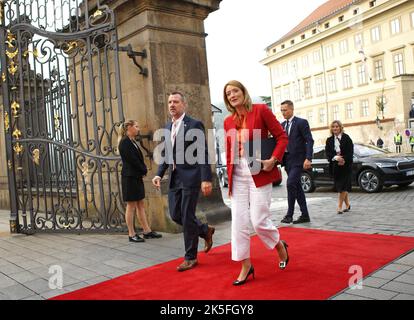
(369, 181)
(307, 183)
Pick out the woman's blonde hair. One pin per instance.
(125, 126)
(339, 123)
(247, 100)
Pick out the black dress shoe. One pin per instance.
(287, 219)
(302, 219)
(136, 238)
(240, 282)
(348, 209)
(152, 235)
(340, 212)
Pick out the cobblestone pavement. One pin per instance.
(91, 258)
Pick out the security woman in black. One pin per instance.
(133, 171)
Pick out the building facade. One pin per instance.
(351, 61)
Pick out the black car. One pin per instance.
(373, 169)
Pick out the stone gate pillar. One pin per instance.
(172, 34)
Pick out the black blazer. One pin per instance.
(133, 164)
(347, 152)
(190, 174)
(300, 145)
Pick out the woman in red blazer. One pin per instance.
(251, 193)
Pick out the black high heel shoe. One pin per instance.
(240, 282)
(283, 264)
(348, 209)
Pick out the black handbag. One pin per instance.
(258, 149)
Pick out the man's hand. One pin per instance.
(156, 181)
(307, 164)
(206, 188)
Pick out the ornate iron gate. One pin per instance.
(62, 110)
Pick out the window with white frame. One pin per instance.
(375, 34)
(317, 56)
(286, 93)
(322, 115)
(379, 69)
(343, 46)
(307, 88)
(335, 112)
(398, 64)
(364, 108)
(278, 96)
(362, 74)
(310, 116)
(329, 52)
(305, 62)
(296, 91)
(412, 19)
(359, 41)
(294, 67)
(332, 82)
(346, 78)
(319, 86)
(395, 26)
(285, 69)
(349, 110)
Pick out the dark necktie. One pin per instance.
(287, 126)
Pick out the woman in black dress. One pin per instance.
(340, 152)
(133, 192)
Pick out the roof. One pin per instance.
(324, 11)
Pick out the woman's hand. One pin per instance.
(341, 161)
(268, 165)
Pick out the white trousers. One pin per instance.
(249, 203)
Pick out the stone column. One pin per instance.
(172, 33)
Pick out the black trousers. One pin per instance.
(294, 189)
(182, 203)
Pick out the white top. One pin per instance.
(176, 127)
(290, 124)
(337, 143)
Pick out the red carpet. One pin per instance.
(318, 269)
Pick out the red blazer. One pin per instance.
(261, 117)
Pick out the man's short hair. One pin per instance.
(182, 96)
(288, 102)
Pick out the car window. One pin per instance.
(319, 153)
(366, 150)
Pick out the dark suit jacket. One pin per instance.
(347, 152)
(133, 164)
(191, 170)
(300, 145)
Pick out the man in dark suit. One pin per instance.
(187, 172)
(298, 156)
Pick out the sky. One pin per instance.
(238, 34)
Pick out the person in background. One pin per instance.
(339, 150)
(133, 192)
(398, 142)
(371, 142)
(411, 141)
(297, 157)
(380, 143)
(250, 193)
